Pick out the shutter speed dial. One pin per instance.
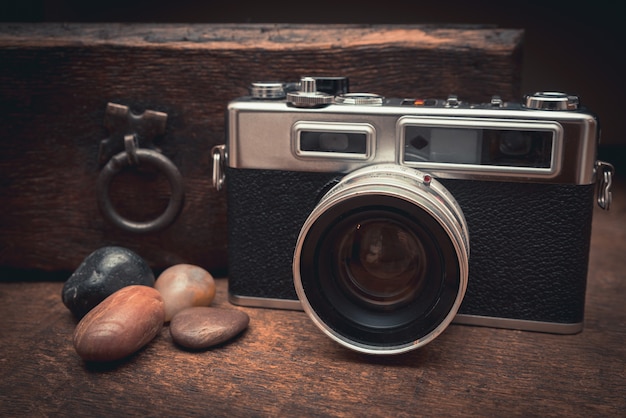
(308, 96)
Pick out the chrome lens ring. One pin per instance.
(416, 206)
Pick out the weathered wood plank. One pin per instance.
(56, 79)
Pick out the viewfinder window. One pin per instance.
(333, 140)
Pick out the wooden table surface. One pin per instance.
(284, 366)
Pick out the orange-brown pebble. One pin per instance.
(183, 286)
(120, 325)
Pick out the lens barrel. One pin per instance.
(381, 263)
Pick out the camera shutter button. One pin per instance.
(551, 101)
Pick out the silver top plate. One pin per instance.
(267, 135)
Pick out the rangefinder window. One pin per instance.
(335, 140)
(491, 148)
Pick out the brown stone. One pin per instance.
(203, 327)
(120, 325)
(183, 286)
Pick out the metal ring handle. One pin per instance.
(120, 161)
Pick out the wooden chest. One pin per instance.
(70, 94)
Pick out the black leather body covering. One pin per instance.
(529, 242)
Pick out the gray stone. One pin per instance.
(102, 273)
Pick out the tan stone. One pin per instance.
(183, 286)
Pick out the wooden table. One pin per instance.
(283, 365)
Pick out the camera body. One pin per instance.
(362, 210)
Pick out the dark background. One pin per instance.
(575, 47)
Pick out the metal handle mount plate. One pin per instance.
(128, 131)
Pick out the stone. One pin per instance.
(183, 286)
(202, 327)
(103, 272)
(120, 325)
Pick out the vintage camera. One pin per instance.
(361, 210)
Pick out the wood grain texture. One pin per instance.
(56, 80)
(284, 366)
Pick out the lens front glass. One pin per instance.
(379, 272)
(379, 263)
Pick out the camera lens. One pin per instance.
(381, 262)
